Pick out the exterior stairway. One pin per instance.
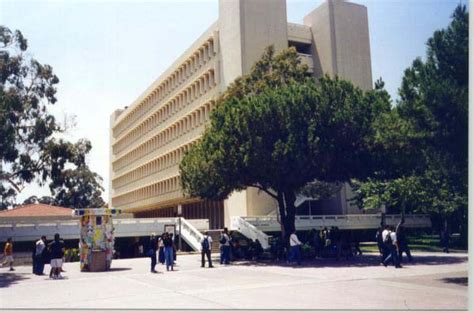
(215, 234)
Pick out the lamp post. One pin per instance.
(180, 211)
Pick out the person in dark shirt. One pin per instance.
(168, 244)
(402, 242)
(56, 249)
(258, 250)
(152, 252)
(380, 244)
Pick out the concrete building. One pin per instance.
(149, 137)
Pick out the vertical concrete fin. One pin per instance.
(340, 33)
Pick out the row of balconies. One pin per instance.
(184, 139)
(204, 81)
(174, 117)
(184, 126)
(200, 57)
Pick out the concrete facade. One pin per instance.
(149, 137)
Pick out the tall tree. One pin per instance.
(29, 150)
(426, 135)
(277, 130)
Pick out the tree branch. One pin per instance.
(271, 194)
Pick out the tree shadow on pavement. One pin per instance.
(112, 269)
(456, 280)
(7, 279)
(356, 261)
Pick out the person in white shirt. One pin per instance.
(206, 244)
(390, 240)
(295, 244)
(38, 264)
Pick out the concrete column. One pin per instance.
(340, 32)
(246, 28)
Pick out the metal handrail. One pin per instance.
(250, 231)
(191, 235)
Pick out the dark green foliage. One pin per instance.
(277, 131)
(425, 137)
(28, 148)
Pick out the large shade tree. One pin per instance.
(29, 146)
(277, 130)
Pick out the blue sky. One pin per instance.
(106, 53)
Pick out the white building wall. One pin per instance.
(149, 138)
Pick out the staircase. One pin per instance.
(250, 231)
(215, 234)
(191, 235)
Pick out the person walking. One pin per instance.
(356, 241)
(56, 249)
(206, 244)
(224, 242)
(168, 249)
(390, 241)
(8, 253)
(152, 252)
(445, 240)
(39, 256)
(295, 244)
(161, 249)
(402, 242)
(380, 245)
(316, 242)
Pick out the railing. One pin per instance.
(353, 221)
(191, 235)
(249, 231)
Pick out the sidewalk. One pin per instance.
(435, 281)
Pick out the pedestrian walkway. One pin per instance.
(435, 281)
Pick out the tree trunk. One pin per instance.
(290, 211)
(281, 210)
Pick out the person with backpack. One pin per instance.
(390, 241)
(206, 243)
(57, 249)
(224, 243)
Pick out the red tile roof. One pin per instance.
(36, 210)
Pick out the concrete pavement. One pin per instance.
(434, 281)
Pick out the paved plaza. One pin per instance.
(435, 281)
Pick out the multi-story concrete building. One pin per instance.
(149, 137)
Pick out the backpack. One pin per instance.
(388, 239)
(205, 244)
(378, 237)
(223, 240)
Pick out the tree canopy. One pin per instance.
(29, 146)
(425, 136)
(278, 130)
